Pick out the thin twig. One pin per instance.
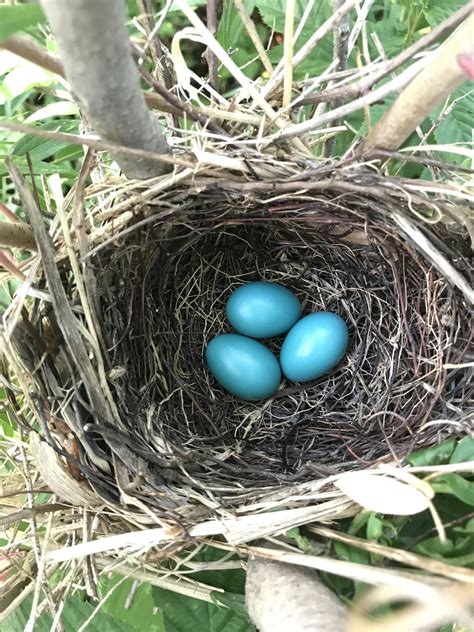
(305, 50)
(26, 48)
(98, 145)
(212, 21)
(288, 52)
(340, 52)
(337, 113)
(160, 63)
(254, 36)
(363, 86)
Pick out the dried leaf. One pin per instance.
(382, 494)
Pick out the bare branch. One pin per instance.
(440, 77)
(271, 586)
(95, 51)
(26, 48)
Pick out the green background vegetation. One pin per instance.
(30, 94)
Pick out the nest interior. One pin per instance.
(159, 293)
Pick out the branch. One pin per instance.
(211, 23)
(27, 49)
(16, 235)
(440, 77)
(95, 50)
(282, 597)
(364, 85)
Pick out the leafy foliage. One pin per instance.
(15, 18)
(226, 614)
(75, 613)
(28, 93)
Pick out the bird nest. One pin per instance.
(110, 353)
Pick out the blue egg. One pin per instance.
(243, 366)
(314, 346)
(262, 309)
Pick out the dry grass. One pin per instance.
(146, 457)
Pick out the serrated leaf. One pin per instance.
(437, 454)
(456, 127)
(438, 10)
(382, 494)
(14, 18)
(74, 614)
(464, 451)
(185, 614)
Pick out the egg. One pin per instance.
(243, 366)
(262, 309)
(314, 346)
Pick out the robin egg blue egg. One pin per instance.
(314, 346)
(243, 366)
(261, 309)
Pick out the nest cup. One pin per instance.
(157, 279)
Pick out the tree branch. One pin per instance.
(441, 76)
(363, 86)
(95, 50)
(26, 48)
(282, 597)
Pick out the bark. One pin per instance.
(96, 54)
(442, 75)
(284, 597)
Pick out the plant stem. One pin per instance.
(440, 77)
(95, 51)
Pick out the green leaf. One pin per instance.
(459, 552)
(230, 600)
(19, 17)
(300, 540)
(41, 148)
(438, 10)
(456, 485)
(141, 613)
(231, 26)
(185, 614)
(464, 451)
(273, 13)
(374, 527)
(456, 127)
(351, 553)
(41, 168)
(437, 454)
(75, 613)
